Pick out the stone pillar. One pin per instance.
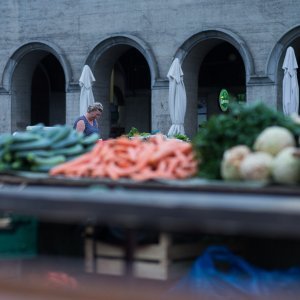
(101, 94)
(264, 90)
(191, 118)
(160, 116)
(72, 103)
(5, 116)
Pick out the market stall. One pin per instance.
(222, 183)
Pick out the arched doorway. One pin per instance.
(280, 73)
(296, 46)
(276, 59)
(130, 103)
(221, 68)
(211, 61)
(124, 69)
(48, 105)
(35, 76)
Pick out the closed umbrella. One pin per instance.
(290, 84)
(177, 98)
(86, 95)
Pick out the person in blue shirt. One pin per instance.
(88, 122)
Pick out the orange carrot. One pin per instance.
(133, 158)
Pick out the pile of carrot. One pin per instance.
(133, 158)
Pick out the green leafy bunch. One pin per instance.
(182, 137)
(240, 126)
(135, 132)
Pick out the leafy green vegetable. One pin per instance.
(134, 132)
(241, 125)
(182, 137)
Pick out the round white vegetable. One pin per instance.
(273, 139)
(256, 166)
(286, 167)
(232, 158)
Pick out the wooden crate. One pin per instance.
(164, 260)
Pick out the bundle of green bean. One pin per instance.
(41, 148)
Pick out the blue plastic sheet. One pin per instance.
(220, 274)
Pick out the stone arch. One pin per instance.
(23, 50)
(278, 51)
(221, 34)
(276, 58)
(192, 54)
(129, 40)
(30, 100)
(103, 61)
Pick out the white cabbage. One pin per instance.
(286, 167)
(273, 139)
(256, 166)
(232, 158)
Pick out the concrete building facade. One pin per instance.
(129, 45)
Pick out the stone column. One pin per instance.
(160, 116)
(72, 103)
(5, 116)
(263, 89)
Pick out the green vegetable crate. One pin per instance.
(18, 237)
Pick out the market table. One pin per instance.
(189, 207)
(224, 212)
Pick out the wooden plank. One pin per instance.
(151, 252)
(110, 266)
(155, 251)
(150, 270)
(154, 261)
(105, 249)
(145, 252)
(165, 249)
(142, 252)
(171, 271)
(143, 269)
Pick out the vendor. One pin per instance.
(88, 123)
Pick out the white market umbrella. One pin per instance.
(86, 81)
(290, 97)
(177, 98)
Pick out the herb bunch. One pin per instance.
(240, 126)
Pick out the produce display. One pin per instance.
(286, 166)
(134, 132)
(247, 143)
(256, 166)
(275, 158)
(240, 126)
(41, 148)
(156, 157)
(232, 159)
(273, 139)
(182, 137)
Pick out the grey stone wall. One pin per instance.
(76, 27)
(5, 120)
